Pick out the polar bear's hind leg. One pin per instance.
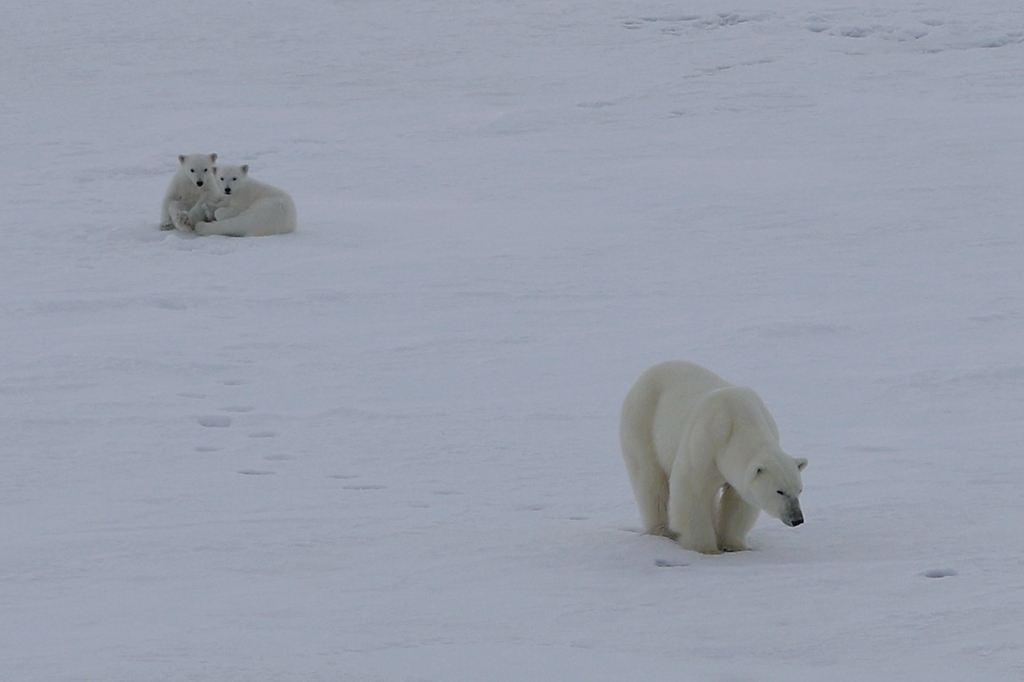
(649, 482)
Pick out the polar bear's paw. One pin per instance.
(201, 212)
(664, 531)
(184, 222)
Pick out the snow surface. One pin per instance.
(385, 447)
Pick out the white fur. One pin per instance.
(191, 187)
(703, 457)
(248, 207)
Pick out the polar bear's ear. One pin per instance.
(181, 159)
(245, 169)
(801, 463)
(213, 158)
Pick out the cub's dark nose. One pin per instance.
(199, 183)
(798, 520)
(227, 190)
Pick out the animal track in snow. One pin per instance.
(670, 563)
(263, 434)
(215, 421)
(688, 23)
(938, 573)
(255, 472)
(925, 34)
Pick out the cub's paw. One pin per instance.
(184, 222)
(198, 214)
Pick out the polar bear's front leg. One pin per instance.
(691, 514)
(178, 213)
(171, 215)
(200, 212)
(183, 221)
(735, 519)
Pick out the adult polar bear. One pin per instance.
(248, 207)
(703, 457)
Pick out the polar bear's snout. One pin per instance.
(793, 516)
(227, 190)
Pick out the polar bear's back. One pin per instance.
(263, 190)
(660, 401)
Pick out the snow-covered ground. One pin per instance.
(385, 447)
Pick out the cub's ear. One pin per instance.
(245, 169)
(213, 158)
(801, 463)
(181, 159)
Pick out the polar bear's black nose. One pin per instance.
(794, 515)
(199, 183)
(227, 190)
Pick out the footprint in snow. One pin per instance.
(938, 573)
(255, 472)
(215, 421)
(670, 563)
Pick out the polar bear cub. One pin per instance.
(248, 207)
(704, 459)
(192, 185)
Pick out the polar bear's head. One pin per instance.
(230, 176)
(773, 480)
(198, 167)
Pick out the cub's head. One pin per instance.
(773, 481)
(230, 176)
(198, 167)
